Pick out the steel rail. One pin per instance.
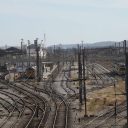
(35, 103)
(46, 108)
(22, 108)
(105, 115)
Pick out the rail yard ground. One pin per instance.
(54, 102)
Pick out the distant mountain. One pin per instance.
(92, 45)
(103, 44)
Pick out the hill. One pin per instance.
(92, 45)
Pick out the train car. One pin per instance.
(119, 68)
(30, 73)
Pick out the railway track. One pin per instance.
(47, 107)
(41, 105)
(100, 75)
(40, 91)
(109, 121)
(61, 115)
(105, 119)
(14, 111)
(60, 118)
(33, 110)
(104, 73)
(61, 104)
(59, 111)
(51, 111)
(24, 107)
(38, 106)
(67, 74)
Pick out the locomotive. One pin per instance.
(30, 73)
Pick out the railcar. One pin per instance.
(119, 68)
(30, 73)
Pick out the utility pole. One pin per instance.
(82, 44)
(54, 50)
(29, 52)
(126, 83)
(21, 45)
(115, 104)
(63, 59)
(115, 48)
(85, 98)
(75, 53)
(124, 49)
(80, 74)
(42, 49)
(58, 65)
(41, 58)
(119, 48)
(37, 60)
(22, 53)
(86, 60)
(126, 77)
(44, 39)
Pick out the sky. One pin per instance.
(63, 21)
